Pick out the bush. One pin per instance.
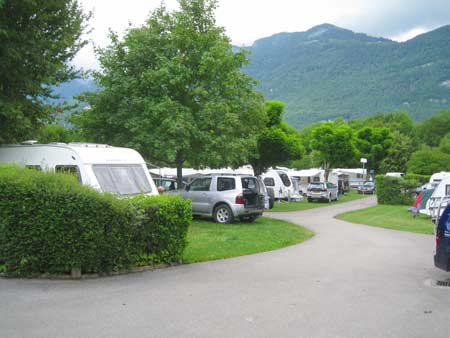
(165, 221)
(395, 190)
(49, 223)
(420, 179)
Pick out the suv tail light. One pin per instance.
(240, 199)
(323, 190)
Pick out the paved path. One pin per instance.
(347, 281)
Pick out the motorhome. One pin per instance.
(280, 182)
(120, 171)
(439, 199)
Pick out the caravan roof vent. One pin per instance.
(29, 142)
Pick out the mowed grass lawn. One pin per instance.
(304, 204)
(390, 217)
(209, 241)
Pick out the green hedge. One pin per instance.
(165, 222)
(49, 223)
(395, 190)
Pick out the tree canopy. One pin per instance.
(174, 90)
(277, 142)
(37, 39)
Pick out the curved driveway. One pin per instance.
(347, 281)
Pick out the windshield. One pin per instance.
(368, 184)
(122, 179)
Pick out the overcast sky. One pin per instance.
(248, 20)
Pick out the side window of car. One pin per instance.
(201, 184)
(269, 181)
(225, 183)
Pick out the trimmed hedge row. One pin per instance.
(395, 190)
(49, 223)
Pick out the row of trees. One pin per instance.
(391, 142)
(173, 89)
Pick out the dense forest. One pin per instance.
(328, 72)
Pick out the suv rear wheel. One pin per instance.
(223, 214)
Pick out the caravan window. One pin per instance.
(69, 169)
(34, 167)
(122, 179)
(285, 178)
(269, 181)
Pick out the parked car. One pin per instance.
(322, 191)
(167, 183)
(226, 197)
(442, 256)
(366, 188)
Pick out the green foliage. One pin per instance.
(444, 144)
(164, 225)
(398, 154)
(334, 144)
(427, 161)
(37, 40)
(433, 129)
(329, 72)
(277, 143)
(49, 223)
(394, 190)
(420, 179)
(56, 133)
(174, 90)
(374, 144)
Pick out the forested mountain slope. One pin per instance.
(327, 72)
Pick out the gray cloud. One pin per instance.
(390, 18)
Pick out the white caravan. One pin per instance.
(279, 181)
(439, 199)
(120, 171)
(307, 176)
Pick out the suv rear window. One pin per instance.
(316, 186)
(249, 183)
(226, 183)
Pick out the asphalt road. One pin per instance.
(347, 281)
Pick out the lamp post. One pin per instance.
(363, 161)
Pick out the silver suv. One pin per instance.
(226, 197)
(322, 191)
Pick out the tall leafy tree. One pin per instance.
(334, 145)
(374, 144)
(433, 129)
(37, 39)
(277, 143)
(174, 90)
(399, 153)
(427, 161)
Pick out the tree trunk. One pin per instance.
(179, 163)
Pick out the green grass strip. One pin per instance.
(393, 217)
(211, 241)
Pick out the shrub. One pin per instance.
(395, 190)
(49, 223)
(420, 179)
(164, 222)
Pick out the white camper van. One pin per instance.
(120, 171)
(439, 199)
(280, 182)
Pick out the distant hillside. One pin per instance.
(68, 90)
(327, 72)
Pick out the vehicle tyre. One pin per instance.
(223, 214)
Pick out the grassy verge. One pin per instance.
(390, 217)
(304, 204)
(210, 241)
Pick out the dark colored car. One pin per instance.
(366, 188)
(442, 256)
